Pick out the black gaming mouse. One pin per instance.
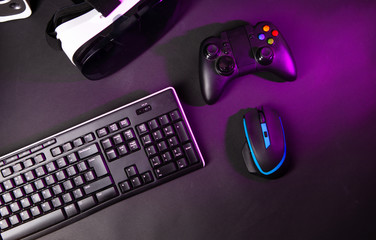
(264, 151)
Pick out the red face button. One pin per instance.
(266, 28)
(275, 33)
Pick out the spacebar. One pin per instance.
(33, 226)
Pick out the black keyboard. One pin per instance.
(81, 170)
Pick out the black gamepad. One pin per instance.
(243, 50)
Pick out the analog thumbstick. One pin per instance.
(265, 55)
(225, 65)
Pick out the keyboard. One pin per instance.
(74, 173)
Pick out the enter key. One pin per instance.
(98, 164)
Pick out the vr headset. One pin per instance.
(102, 36)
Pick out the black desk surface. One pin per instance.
(329, 116)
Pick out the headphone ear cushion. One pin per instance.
(61, 16)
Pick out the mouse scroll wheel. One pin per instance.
(262, 117)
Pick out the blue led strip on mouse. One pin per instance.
(253, 154)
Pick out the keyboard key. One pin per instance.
(102, 132)
(128, 134)
(133, 145)
(26, 202)
(164, 120)
(29, 176)
(147, 177)
(182, 134)
(107, 143)
(157, 135)
(72, 158)
(39, 158)
(56, 151)
(111, 155)
(33, 226)
(49, 142)
(70, 210)
(190, 152)
(28, 163)
(18, 167)
(36, 148)
(166, 170)
(40, 171)
(7, 172)
(14, 220)
(113, 127)
(86, 203)
(67, 198)
(97, 185)
(67, 146)
(122, 150)
(175, 115)
(51, 166)
(125, 186)
(25, 215)
(19, 180)
(4, 224)
(153, 124)
(46, 206)
(7, 197)
(29, 188)
(15, 207)
(88, 151)
(131, 171)
(35, 211)
(61, 162)
(98, 165)
(142, 129)
(4, 211)
(124, 123)
(146, 140)
(182, 163)
(18, 193)
(117, 139)
(78, 142)
(105, 195)
(8, 184)
(89, 138)
(82, 166)
(136, 182)
(46, 193)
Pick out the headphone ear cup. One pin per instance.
(61, 16)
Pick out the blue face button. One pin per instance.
(261, 36)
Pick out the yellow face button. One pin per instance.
(266, 28)
(270, 41)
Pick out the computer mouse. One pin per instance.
(264, 151)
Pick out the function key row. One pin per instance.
(104, 131)
(56, 151)
(29, 162)
(27, 152)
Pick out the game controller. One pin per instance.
(14, 9)
(240, 51)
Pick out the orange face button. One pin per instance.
(275, 33)
(266, 28)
